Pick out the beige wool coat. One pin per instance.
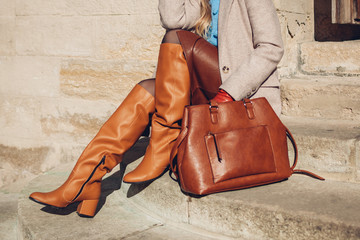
(249, 44)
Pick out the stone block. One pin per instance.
(115, 40)
(20, 117)
(299, 27)
(147, 7)
(163, 200)
(326, 147)
(23, 159)
(340, 58)
(54, 35)
(73, 120)
(17, 163)
(40, 7)
(102, 80)
(83, 7)
(331, 158)
(117, 217)
(51, 119)
(300, 7)
(7, 36)
(283, 210)
(7, 8)
(8, 218)
(299, 208)
(295, 28)
(321, 97)
(358, 160)
(37, 224)
(113, 7)
(29, 76)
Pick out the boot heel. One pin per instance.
(87, 208)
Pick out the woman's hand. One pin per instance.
(223, 96)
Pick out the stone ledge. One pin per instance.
(327, 147)
(295, 209)
(299, 208)
(340, 58)
(321, 97)
(117, 219)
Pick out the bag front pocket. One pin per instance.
(239, 153)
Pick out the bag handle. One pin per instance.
(299, 171)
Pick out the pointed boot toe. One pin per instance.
(37, 197)
(46, 199)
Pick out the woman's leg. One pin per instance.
(149, 85)
(103, 153)
(172, 94)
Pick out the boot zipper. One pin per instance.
(82, 187)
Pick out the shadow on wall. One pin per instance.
(326, 31)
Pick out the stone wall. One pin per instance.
(66, 65)
(64, 68)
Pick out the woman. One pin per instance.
(247, 34)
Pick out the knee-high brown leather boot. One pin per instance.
(172, 94)
(102, 154)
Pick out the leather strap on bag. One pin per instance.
(299, 171)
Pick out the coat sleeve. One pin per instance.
(179, 14)
(268, 51)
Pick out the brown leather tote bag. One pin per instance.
(232, 145)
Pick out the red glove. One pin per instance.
(223, 96)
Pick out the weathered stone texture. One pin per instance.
(29, 76)
(327, 147)
(64, 126)
(54, 35)
(20, 163)
(8, 217)
(300, 7)
(331, 158)
(299, 208)
(296, 20)
(107, 80)
(339, 58)
(295, 28)
(43, 119)
(85, 7)
(7, 36)
(114, 40)
(322, 97)
(357, 155)
(175, 202)
(7, 8)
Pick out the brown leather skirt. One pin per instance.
(203, 63)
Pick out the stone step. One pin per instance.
(330, 148)
(117, 218)
(299, 208)
(8, 215)
(340, 58)
(323, 97)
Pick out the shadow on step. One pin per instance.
(113, 182)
